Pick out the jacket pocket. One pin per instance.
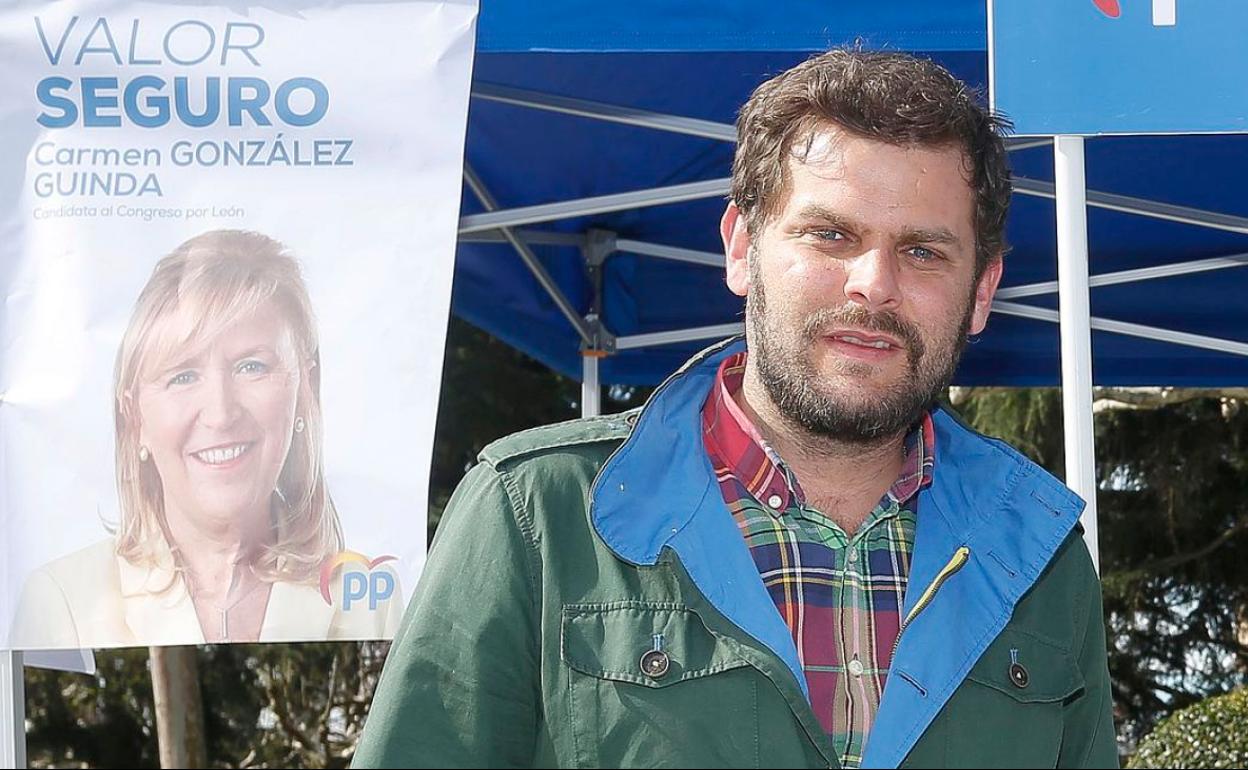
(1028, 669)
(1009, 711)
(650, 685)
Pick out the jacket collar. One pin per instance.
(658, 490)
(661, 461)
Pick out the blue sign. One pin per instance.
(1120, 66)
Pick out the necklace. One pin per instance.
(222, 611)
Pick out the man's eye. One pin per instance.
(182, 378)
(828, 235)
(923, 254)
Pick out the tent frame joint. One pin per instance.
(596, 248)
(601, 341)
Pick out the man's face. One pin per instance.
(861, 289)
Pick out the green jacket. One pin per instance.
(568, 547)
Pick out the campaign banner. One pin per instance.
(228, 239)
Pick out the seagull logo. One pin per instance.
(1164, 11)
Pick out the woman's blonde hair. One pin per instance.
(198, 290)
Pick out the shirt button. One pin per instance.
(774, 501)
(853, 557)
(856, 667)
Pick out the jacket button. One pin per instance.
(1019, 675)
(655, 664)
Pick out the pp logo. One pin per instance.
(1164, 11)
(358, 582)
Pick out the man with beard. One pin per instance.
(790, 557)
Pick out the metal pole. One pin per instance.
(12, 710)
(1154, 333)
(526, 254)
(591, 392)
(1076, 327)
(1165, 13)
(1126, 204)
(598, 204)
(715, 332)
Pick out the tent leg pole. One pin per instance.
(591, 392)
(1076, 328)
(12, 710)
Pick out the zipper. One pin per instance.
(957, 562)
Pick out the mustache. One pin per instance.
(819, 323)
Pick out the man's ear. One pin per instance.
(985, 290)
(736, 236)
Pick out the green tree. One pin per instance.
(1212, 733)
(103, 721)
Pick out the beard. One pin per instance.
(803, 396)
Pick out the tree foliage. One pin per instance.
(1212, 733)
(102, 721)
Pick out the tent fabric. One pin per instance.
(702, 62)
(511, 26)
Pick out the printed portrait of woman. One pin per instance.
(226, 521)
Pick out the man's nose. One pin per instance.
(871, 280)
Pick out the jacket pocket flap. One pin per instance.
(608, 641)
(1028, 668)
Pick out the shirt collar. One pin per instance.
(920, 458)
(741, 451)
(736, 444)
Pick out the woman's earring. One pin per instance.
(299, 425)
(144, 454)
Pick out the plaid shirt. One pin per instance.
(840, 595)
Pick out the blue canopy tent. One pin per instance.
(599, 146)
